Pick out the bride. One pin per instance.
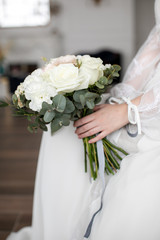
(66, 199)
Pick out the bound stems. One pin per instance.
(111, 153)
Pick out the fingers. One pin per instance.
(88, 118)
(89, 132)
(85, 128)
(98, 137)
(84, 120)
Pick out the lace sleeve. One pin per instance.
(143, 79)
(149, 106)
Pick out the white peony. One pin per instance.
(65, 77)
(38, 90)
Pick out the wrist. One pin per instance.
(124, 110)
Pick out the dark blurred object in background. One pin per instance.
(17, 72)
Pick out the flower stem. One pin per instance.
(85, 155)
(106, 154)
(114, 146)
(95, 158)
(113, 150)
(89, 151)
(108, 166)
(115, 163)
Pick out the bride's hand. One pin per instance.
(106, 119)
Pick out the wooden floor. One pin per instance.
(18, 160)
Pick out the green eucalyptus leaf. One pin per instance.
(107, 72)
(65, 121)
(49, 115)
(58, 114)
(117, 67)
(78, 105)
(45, 107)
(74, 115)
(90, 104)
(115, 74)
(56, 124)
(82, 100)
(110, 81)
(14, 99)
(76, 95)
(69, 106)
(43, 127)
(103, 80)
(91, 95)
(59, 102)
(66, 115)
(99, 85)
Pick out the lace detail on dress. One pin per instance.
(124, 90)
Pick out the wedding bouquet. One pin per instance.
(66, 89)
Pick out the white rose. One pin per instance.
(65, 77)
(38, 90)
(91, 67)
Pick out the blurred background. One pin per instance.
(30, 30)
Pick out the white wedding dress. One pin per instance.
(65, 197)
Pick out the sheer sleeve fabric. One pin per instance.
(143, 79)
